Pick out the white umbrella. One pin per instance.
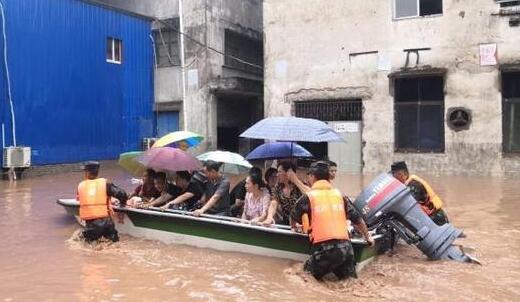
(233, 163)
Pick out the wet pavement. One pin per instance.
(41, 260)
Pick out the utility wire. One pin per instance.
(9, 93)
(166, 24)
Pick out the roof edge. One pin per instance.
(118, 9)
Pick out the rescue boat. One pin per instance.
(222, 233)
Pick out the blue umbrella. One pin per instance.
(278, 150)
(292, 129)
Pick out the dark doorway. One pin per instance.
(234, 115)
(227, 139)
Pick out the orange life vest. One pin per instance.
(93, 199)
(328, 217)
(434, 199)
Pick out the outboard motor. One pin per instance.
(387, 204)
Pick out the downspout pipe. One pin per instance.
(183, 70)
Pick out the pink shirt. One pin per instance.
(256, 207)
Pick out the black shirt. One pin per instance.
(173, 190)
(238, 192)
(303, 206)
(196, 189)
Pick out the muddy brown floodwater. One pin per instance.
(40, 261)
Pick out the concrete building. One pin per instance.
(432, 82)
(219, 92)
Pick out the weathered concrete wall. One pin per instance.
(161, 9)
(168, 84)
(307, 56)
(208, 19)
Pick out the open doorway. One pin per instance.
(235, 115)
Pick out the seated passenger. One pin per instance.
(216, 192)
(284, 196)
(168, 192)
(183, 145)
(270, 178)
(238, 194)
(145, 191)
(257, 199)
(192, 190)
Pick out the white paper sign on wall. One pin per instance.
(280, 69)
(488, 54)
(193, 78)
(384, 62)
(346, 127)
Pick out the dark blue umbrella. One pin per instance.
(278, 150)
(292, 129)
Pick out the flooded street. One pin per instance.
(40, 261)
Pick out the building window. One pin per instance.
(419, 114)
(511, 111)
(114, 51)
(416, 8)
(243, 53)
(508, 3)
(166, 39)
(334, 110)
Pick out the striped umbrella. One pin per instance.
(174, 138)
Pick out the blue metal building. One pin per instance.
(81, 79)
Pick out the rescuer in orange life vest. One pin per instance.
(324, 212)
(430, 202)
(94, 200)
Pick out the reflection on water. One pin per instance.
(40, 259)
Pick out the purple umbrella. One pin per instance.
(169, 159)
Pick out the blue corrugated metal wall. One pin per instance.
(70, 104)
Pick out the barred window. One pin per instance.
(333, 110)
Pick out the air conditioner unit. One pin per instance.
(148, 143)
(17, 157)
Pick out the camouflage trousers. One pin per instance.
(335, 256)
